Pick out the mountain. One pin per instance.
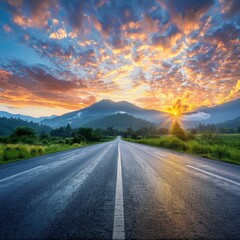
(120, 121)
(40, 119)
(102, 109)
(213, 115)
(224, 112)
(24, 117)
(7, 125)
(234, 123)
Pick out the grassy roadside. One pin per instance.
(225, 147)
(15, 152)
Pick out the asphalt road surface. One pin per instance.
(119, 190)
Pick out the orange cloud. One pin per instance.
(59, 34)
(43, 89)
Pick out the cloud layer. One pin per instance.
(155, 53)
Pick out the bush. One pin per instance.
(190, 136)
(52, 148)
(23, 152)
(40, 151)
(61, 141)
(220, 152)
(209, 135)
(198, 148)
(14, 152)
(33, 151)
(8, 154)
(44, 142)
(176, 143)
(221, 147)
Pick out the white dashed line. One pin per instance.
(21, 173)
(118, 225)
(159, 154)
(214, 175)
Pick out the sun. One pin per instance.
(175, 113)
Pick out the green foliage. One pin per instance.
(175, 143)
(221, 147)
(12, 152)
(178, 131)
(238, 130)
(62, 132)
(144, 132)
(228, 127)
(24, 142)
(24, 135)
(120, 121)
(198, 148)
(209, 135)
(19, 151)
(7, 125)
(20, 132)
(89, 134)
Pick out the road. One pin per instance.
(119, 190)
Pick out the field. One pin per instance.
(225, 147)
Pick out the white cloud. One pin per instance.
(120, 112)
(196, 116)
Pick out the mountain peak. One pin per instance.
(107, 104)
(105, 101)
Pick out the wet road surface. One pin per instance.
(119, 190)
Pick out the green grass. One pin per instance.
(20, 151)
(14, 152)
(225, 147)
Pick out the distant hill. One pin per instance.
(224, 112)
(217, 114)
(102, 109)
(234, 123)
(24, 117)
(120, 121)
(7, 125)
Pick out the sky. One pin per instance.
(58, 56)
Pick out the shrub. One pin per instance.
(33, 151)
(8, 154)
(220, 152)
(61, 141)
(175, 143)
(24, 132)
(13, 153)
(23, 152)
(40, 150)
(198, 148)
(44, 142)
(190, 136)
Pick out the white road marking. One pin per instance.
(118, 225)
(214, 175)
(161, 155)
(21, 173)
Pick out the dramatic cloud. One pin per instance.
(21, 84)
(171, 55)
